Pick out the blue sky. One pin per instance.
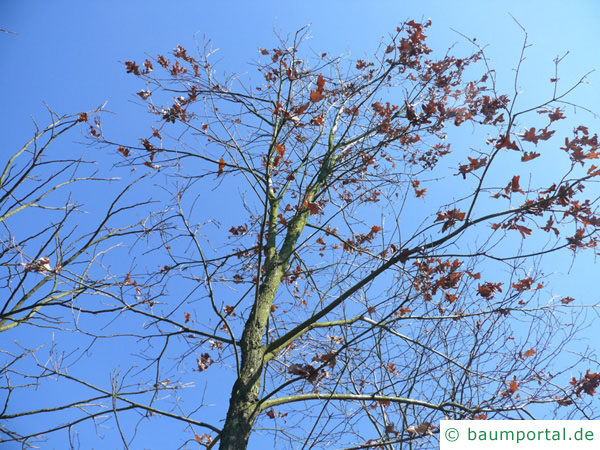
(69, 55)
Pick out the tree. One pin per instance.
(352, 269)
(51, 257)
(33, 178)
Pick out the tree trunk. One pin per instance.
(243, 404)
(242, 412)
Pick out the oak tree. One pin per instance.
(321, 255)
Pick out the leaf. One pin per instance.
(523, 230)
(567, 300)
(402, 312)
(302, 108)
(42, 266)
(147, 144)
(450, 217)
(239, 230)
(488, 289)
(280, 151)
(474, 164)
(132, 67)
(164, 62)
(514, 186)
(144, 94)
(523, 285)
(513, 387)
(426, 428)
(530, 136)
(505, 142)
(320, 83)
(450, 298)
(221, 167)
(528, 156)
(318, 120)
(304, 370)
(319, 94)
(418, 192)
(313, 208)
(529, 352)
(204, 362)
(316, 96)
(556, 115)
(327, 358)
(545, 134)
(205, 439)
(564, 402)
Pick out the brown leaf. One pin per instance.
(204, 362)
(450, 217)
(556, 115)
(328, 358)
(505, 142)
(319, 94)
(305, 371)
(132, 67)
(144, 94)
(488, 289)
(567, 300)
(302, 109)
(316, 96)
(523, 285)
(528, 156)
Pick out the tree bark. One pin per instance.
(244, 402)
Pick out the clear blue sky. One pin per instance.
(69, 55)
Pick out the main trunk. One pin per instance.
(242, 408)
(244, 402)
(243, 405)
